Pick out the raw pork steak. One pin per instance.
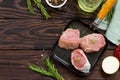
(92, 42)
(69, 39)
(80, 61)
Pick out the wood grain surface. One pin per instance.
(30, 33)
(21, 30)
(29, 38)
(14, 66)
(18, 9)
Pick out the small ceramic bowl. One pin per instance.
(58, 6)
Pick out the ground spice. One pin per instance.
(56, 2)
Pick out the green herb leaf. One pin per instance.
(42, 8)
(72, 27)
(93, 41)
(78, 60)
(52, 69)
(51, 72)
(30, 6)
(39, 70)
(110, 13)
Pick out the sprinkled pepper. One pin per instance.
(56, 2)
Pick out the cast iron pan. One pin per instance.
(63, 55)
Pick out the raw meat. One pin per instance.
(69, 39)
(92, 42)
(80, 61)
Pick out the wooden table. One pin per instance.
(25, 37)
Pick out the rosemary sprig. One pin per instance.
(40, 6)
(39, 70)
(51, 72)
(51, 69)
(30, 6)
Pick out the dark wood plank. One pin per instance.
(30, 33)
(21, 30)
(18, 9)
(14, 66)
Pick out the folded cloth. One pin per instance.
(113, 30)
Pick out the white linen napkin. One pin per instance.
(113, 30)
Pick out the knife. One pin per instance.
(102, 13)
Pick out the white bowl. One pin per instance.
(59, 6)
(110, 65)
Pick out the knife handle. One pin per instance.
(106, 8)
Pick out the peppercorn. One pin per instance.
(56, 2)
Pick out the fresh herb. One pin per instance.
(40, 6)
(110, 13)
(30, 6)
(93, 41)
(72, 27)
(78, 60)
(51, 71)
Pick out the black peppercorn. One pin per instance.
(56, 2)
